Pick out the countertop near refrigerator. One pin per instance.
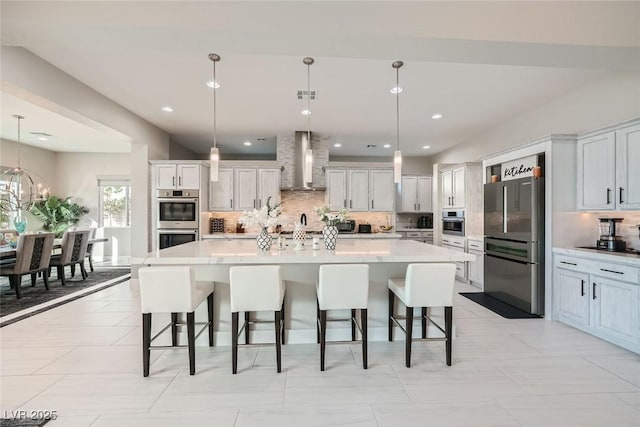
(414, 229)
(600, 255)
(235, 236)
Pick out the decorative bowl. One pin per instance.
(386, 228)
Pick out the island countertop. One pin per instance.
(245, 251)
(233, 236)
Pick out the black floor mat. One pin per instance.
(502, 308)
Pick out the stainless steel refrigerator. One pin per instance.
(514, 242)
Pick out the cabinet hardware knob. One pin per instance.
(620, 198)
(582, 287)
(608, 195)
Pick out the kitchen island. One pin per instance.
(341, 236)
(386, 258)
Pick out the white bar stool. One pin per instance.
(173, 290)
(425, 285)
(342, 287)
(256, 288)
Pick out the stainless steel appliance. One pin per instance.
(177, 209)
(514, 242)
(608, 239)
(348, 226)
(168, 238)
(453, 222)
(425, 221)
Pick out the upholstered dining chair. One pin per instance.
(74, 249)
(32, 256)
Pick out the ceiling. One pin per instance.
(477, 63)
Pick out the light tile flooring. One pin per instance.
(83, 360)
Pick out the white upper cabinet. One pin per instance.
(453, 188)
(336, 196)
(172, 176)
(358, 190)
(221, 192)
(628, 168)
(381, 190)
(245, 189)
(415, 194)
(608, 172)
(268, 186)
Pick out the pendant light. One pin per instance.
(308, 157)
(214, 155)
(397, 155)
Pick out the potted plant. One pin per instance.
(58, 214)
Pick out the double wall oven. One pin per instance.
(178, 214)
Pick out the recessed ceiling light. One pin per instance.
(387, 145)
(261, 139)
(396, 89)
(437, 116)
(306, 112)
(426, 147)
(43, 138)
(167, 109)
(247, 143)
(212, 84)
(371, 145)
(337, 145)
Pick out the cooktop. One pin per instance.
(626, 251)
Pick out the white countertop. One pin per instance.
(414, 229)
(476, 238)
(243, 251)
(620, 257)
(235, 236)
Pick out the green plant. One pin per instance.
(58, 214)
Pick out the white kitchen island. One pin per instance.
(386, 258)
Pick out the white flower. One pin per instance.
(263, 217)
(331, 218)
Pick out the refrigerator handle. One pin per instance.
(504, 209)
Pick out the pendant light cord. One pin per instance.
(215, 131)
(398, 108)
(309, 104)
(19, 141)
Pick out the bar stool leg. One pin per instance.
(391, 303)
(146, 343)
(234, 342)
(318, 321)
(278, 318)
(409, 328)
(448, 327)
(353, 324)
(282, 315)
(363, 323)
(191, 337)
(424, 322)
(210, 315)
(323, 336)
(247, 319)
(174, 329)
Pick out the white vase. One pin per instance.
(330, 237)
(264, 240)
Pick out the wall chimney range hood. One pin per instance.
(302, 163)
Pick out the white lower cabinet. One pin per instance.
(606, 307)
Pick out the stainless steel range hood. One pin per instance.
(302, 164)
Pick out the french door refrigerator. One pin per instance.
(514, 242)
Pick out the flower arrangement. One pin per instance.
(329, 217)
(267, 216)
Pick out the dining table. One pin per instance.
(8, 253)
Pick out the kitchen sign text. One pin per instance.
(519, 168)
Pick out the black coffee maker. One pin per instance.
(425, 221)
(608, 239)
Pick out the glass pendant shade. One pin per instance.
(397, 166)
(214, 161)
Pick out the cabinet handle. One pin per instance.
(173, 182)
(611, 271)
(350, 204)
(451, 200)
(259, 203)
(594, 291)
(231, 203)
(418, 207)
(569, 263)
(414, 207)
(254, 203)
(345, 203)
(608, 195)
(582, 287)
(180, 181)
(372, 204)
(620, 198)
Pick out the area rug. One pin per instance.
(57, 294)
(22, 422)
(501, 308)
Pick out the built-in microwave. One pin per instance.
(453, 222)
(169, 238)
(177, 209)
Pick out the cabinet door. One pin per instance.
(245, 189)
(476, 269)
(596, 172)
(166, 177)
(358, 190)
(615, 309)
(188, 176)
(628, 168)
(336, 189)
(458, 185)
(572, 296)
(446, 179)
(424, 194)
(408, 191)
(221, 192)
(268, 186)
(381, 188)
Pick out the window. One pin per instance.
(115, 201)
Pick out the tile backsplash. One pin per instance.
(573, 229)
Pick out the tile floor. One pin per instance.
(83, 360)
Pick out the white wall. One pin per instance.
(32, 158)
(609, 101)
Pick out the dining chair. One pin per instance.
(33, 254)
(74, 249)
